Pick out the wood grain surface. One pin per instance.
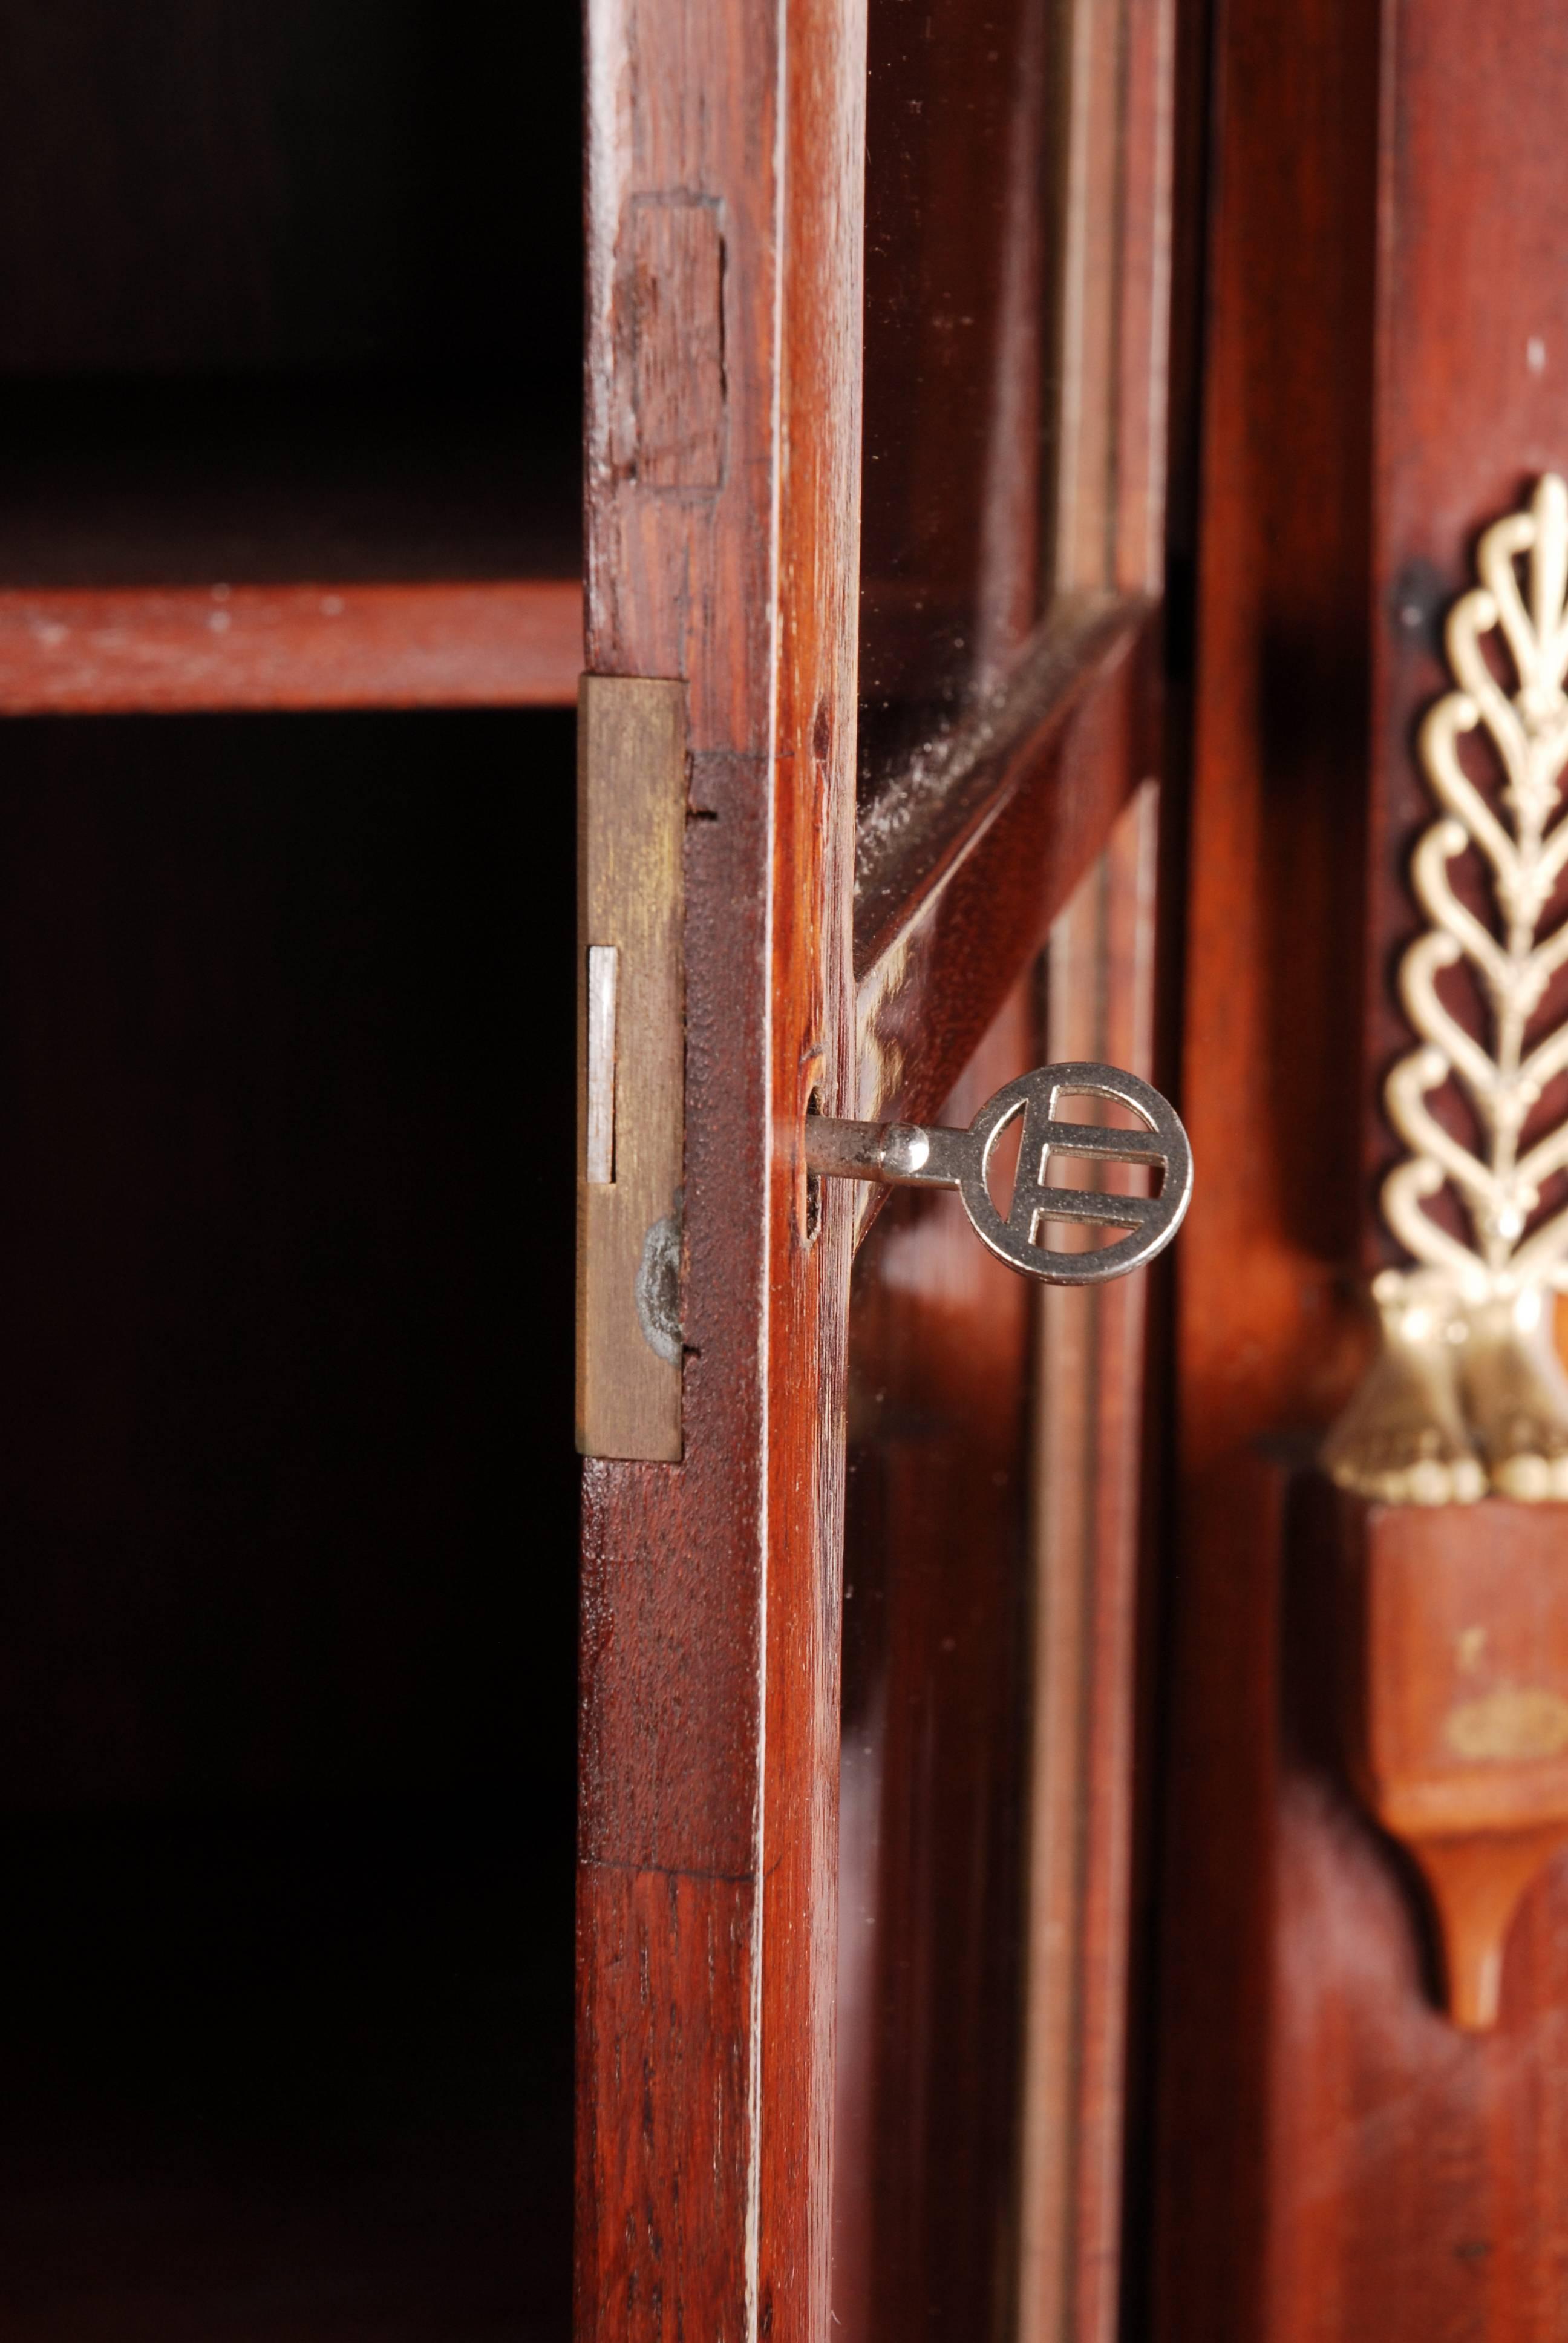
(710, 1592)
(1455, 1630)
(992, 1589)
(1472, 398)
(1090, 1539)
(935, 1768)
(192, 650)
(1386, 188)
(1116, 157)
(722, 471)
(1277, 520)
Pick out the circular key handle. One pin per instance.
(1150, 1222)
(919, 1155)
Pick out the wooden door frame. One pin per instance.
(722, 465)
(725, 163)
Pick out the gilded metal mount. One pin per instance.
(1468, 1391)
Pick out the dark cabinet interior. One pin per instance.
(287, 296)
(287, 1693)
(288, 290)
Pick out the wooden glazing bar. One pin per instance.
(979, 908)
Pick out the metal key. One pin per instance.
(916, 1155)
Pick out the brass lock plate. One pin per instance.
(631, 1070)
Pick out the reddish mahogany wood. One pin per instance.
(711, 1591)
(178, 650)
(810, 1013)
(992, 1572)
(935, 1763)
(1265, 1334)
(1377, 2170)
(1471, 401)
(1091, 1509)
(1455, 1637)
(979, 906)
(1115, 144)
(1144, 198)
(722, 455)
(926, 2104)
(1337, 2158)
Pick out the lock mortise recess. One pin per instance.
(631, 1069)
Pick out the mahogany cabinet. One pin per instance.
(878, 345)
(1382, 382)
(985, 1896)
(892, 1833)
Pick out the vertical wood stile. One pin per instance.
(725, 158)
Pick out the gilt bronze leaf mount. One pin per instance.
(1468, 1394)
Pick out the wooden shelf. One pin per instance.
(154, 650)
(293, 544)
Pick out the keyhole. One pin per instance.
(813, 1179)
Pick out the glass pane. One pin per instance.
(934, 1767)
(960, 351)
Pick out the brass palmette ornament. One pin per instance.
(1468, 1391)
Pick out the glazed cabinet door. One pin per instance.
(877, 325)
